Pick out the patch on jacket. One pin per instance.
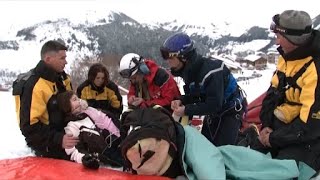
(316, 115)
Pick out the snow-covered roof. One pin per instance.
(260, 53)
(254, 45)
(228, 62)
(272, 52)
(232, 57)
(252, 57)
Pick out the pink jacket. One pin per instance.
(102, 121)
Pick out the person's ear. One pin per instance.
(47, 58)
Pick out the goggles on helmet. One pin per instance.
(127, 73)
(166, 54)
(276, 28)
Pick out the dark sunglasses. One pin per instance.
(276, 28)
(166, 54)
(126, 73)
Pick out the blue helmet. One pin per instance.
(177, 45)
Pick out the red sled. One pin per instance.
(38, 168)
(252, 116)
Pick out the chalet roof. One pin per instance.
(252, 57)
(260, 53)
(229, 63)
(273, 52)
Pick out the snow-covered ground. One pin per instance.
(13, 144)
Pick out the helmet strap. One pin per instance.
(182, 59)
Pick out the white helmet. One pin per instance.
(129, 64)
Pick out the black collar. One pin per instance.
(193, 66)
(46, 72)
(96, 88)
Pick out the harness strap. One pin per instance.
(292, 81)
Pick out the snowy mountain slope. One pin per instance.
(214, 30)
(254, 45)
(31, 39)
(95, 33)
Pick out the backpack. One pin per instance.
(18, 88)
(18, 84)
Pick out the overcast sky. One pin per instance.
(16, 13)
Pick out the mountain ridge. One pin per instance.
(115, 34)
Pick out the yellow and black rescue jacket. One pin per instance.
(305, 129)
(106, 98)
(32, 96)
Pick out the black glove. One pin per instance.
(273, 99)
(90, 161)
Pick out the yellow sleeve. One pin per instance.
(115, 103)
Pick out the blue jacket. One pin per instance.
(210, 87)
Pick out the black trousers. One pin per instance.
(307, 153)
(224, 129)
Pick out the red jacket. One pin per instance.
(161, 86)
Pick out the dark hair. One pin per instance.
(50, 46)
(95, 69)
(63, 100)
